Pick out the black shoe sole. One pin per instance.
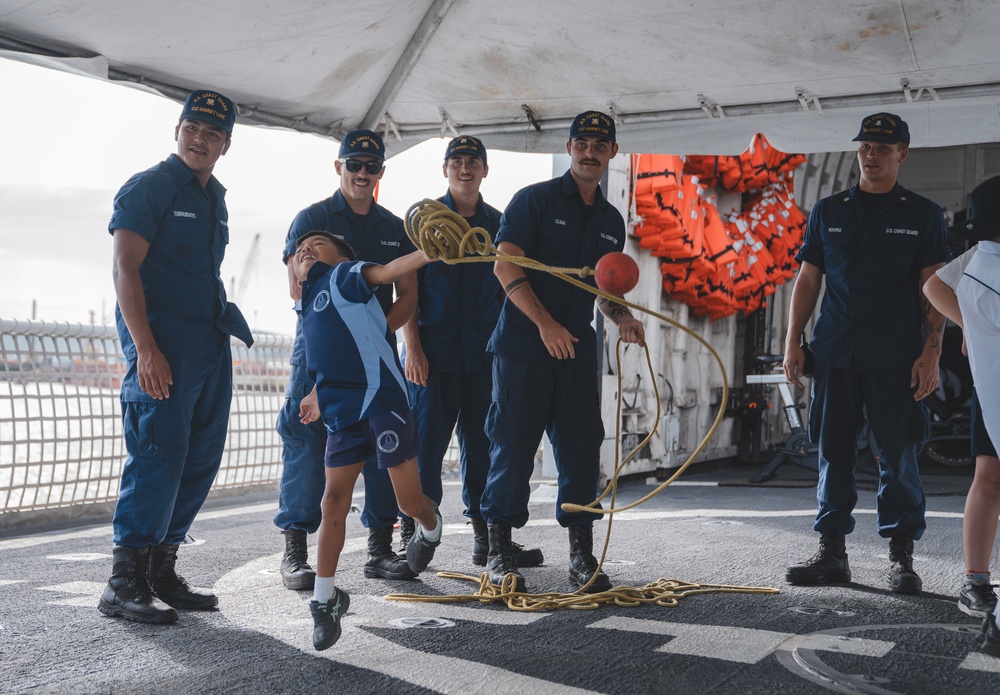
(971, 612)
(165, 618)
(301, 583)
(192, 605)
(378, 573)
(519, 585)
(822, 580)
(525, 558)
(910, 588)
(597, 587)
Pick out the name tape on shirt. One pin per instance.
(907, 232)
(183, 213)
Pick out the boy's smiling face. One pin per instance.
(315, 248)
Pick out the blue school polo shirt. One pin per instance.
(871, 307)
(549, 221)
(187, 227)
(380, 238)
(347, 347)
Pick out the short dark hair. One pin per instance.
(345, 249)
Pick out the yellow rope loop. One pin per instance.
(444, 235)
(662, 592)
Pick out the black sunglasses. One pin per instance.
(372, 166)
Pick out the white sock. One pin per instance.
(324, 589)
(433, 535)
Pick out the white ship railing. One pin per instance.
(61, 446)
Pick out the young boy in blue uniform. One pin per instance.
(447, 367)
(170, 228)
(545, 375)
(876, 346)
(377, 236)
(361, 398)
(967, 291)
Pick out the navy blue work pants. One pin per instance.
(303, 477)
(842, 398)
(175, 447)
(529, 399)
(450, 400)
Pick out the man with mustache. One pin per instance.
(876, 346)
(545, 376)
(377, 236)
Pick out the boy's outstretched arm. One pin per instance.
(394, 269)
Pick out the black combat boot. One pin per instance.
(828, 566)
(524, 557)
(407, 527)
(902, 578)
(296, 573)
(582, 563)
(128, 594)
(501, 559)
(382, 562)
(173, 588)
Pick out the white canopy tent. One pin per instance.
(698, 76)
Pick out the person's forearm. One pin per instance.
(933, 319)
(943, 298)
(805, 293)
(614, 311)
(132, 303)
(395, 269)
(411, 335)
(405, 305)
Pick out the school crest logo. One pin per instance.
(322, 301)
(387, 442)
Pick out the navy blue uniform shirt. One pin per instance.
(187, 227)
(458, 305)
(378, 238)
(347, 344)
(550, 222)
(871, 307)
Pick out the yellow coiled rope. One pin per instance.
(446, 236)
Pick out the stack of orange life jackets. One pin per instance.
(717, 266)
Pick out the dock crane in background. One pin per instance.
(239, 290)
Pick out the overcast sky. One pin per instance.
(69, 143)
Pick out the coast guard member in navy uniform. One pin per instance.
(378, 237)
(876, 345)
(544, 349)
(448, 371)
(170, 228)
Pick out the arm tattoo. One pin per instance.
(514, 284)
(932, 330)
(616, 311)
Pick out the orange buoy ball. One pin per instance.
(616, 273)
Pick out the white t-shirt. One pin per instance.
(978, 292)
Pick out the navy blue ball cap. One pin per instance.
(358, 142)
(884, 127)
(210, 107)
(984, 213)
(593, 124)
(466, 144)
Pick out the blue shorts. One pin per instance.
(982, 445)
(392, 437)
